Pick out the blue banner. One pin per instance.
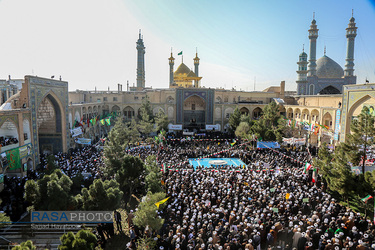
(337, 125)
(268, 144)
(83, 141)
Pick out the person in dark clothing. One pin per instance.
(118, 220)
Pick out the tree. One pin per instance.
(234, 119)
(242, 130)
(115, 147)
(153, 175)
(27, 245)
(361, 137)
(246, 118)
(83, 240)
(147, 212)
(324, 162)
(146, 123)
(161, 121)
(133, 131)
(130, 175)
(52, 192)
(5, 220)
(270, 125)
(342, 179)
(51, 165)
(101, 196)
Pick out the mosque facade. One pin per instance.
(41, 116)
(325, 76)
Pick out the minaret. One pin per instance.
(140, 62)
(302, 73)
(171, 64)
(351, 33)
(313, 35)
(196, 63)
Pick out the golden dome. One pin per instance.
(182, 69)
(191, 74)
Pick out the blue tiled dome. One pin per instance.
(327, 68)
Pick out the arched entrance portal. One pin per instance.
(49, 125)
(194, 113)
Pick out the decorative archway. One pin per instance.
(306, 115)
(315, 116)
(50, 125)
(128, 112)
(194, 112)
(297, 113)
(356, 109)
(116, 109)
(244, 111)
(8, 133)
(257, 113)
(330, 90)
(289, 113)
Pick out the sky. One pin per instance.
(242, 44)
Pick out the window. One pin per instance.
(115, 99)
(135, 97)
(105, 99)
(193, 106)
(25, 136)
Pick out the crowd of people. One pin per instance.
(87, 161)
(269, 204)
(5, 141)
(250, 209)
(278, 207)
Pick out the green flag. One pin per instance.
(180, 53)
(108, 120)
(102, 121)
(14, 159)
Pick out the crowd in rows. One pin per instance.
(249, 209)
(256, 208)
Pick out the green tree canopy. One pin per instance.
(324, 162)
(130, 175)
(234, 119)
(161, 121)
(115, 147)
(342, 177)
(147, 212)
(153, 175)
(83, 240)
(27, 245)
(243, 130)
(101, 196)
(361, 137)
(270, 125)
(52, 192)
(4, 220)
(146, 123)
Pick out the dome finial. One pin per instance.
(352, 12)
(303, 47)
(325, 50)
(314, 15)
